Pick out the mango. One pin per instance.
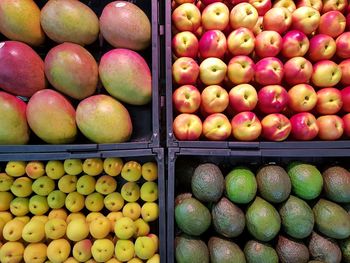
(72, 70)
(14, 128)
(20, 20)
(126, 76)
(125, 25)
(103, 119)
(22, 70)
(69, 21)
(51, 117)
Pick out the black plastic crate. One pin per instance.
(188, 159)
(146, 155)
(145, 119)
(172, 141)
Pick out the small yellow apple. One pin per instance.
(75, 216)
(67, 183)
(135, 260)
(6, 199)
(54, 169)
(43, 185)
(35, 169)
(154, 259)
(56, 199)
(86, 184)
(55, 228)
(149, 171)
(92, 216)
(94, 202)
(131, 171)
(38, 205)
(114, 217)
(77, 230)
(34, 231)
(6, 216)
(6, 182)
(35, 253)
(11, 252)
(106, 184)
(71, 260)
(12, 230)
(124, 250)
(100, 227)
(24, 219)
(102, 250)
(73, 166)
(58, 250)
(42, 218)
(19, 206)
(145, 248)
(93, 166)
(114, 202)
(130, 192)
(22, 187)
(113, 260)
(142, 228)
(132, 210)
(150, 211)
(155, 240)
(113, 166)
(74, 202)
(124, 228)
(58, 213)
(16, 168)
(149, 192)
(82, 250)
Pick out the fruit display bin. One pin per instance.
(183, 161)
(141, 156)
(145, 119)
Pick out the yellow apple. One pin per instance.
(34, 231)
(74, 202)
(92, 216)
(58, 250)
(38, 205)
(73, 166)
(114, 202)
(100, 227)
(24, 219)
(113, 260)
(12, 230)
(42, 218)
(35, 253)
(131, 171)
(19, 206)
(142, 228)
(94, 202)
(149, 171)
(132, 210)
(86, 184)
(149, 192)
(145, 248)
(106, 184)
(16, 168)
(124, 228)
(75, 216)
(71, 260)
(6, 216)
(58, 213)
(113, 166)
(91, 261)
(77, 230)
(6, 182)
(154, 259)
(35, 169)
(113, 218)
(43, 185)
(102, 250)
(155, 239)
(150, 211)
(56, 199)
(135, 260)
(11, 252)
(55, 228)
(82, 250)
(67, 183)
(22, 187)
(130, 192)
(6, 199)
(54, 169)
(93, 166)
(124, 250)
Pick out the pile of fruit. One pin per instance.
(261, 69)
(291, 215)
(73, 103)
(89, 210)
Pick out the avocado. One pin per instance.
(228, 219)
(324, 249)
(291, 251)
(331, 219)
(297, 217)
(223, 251)
(257, 252)
(263, 220)
(345, 249)
(241, 185)
(306, 180)
(192, 217)
(336, 184)
(190, 250)
(273, 183)
(208, 183)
